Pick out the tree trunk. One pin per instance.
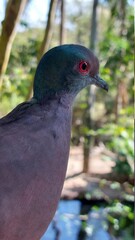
(12, 15)
(49, 28)
(88, 143)
(87, 121)
(62, 30)
(93, 35)
(121, 99)
(122, 94)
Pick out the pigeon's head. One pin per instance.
(66, 69)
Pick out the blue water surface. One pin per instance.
(66, 223)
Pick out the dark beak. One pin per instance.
(100, 82)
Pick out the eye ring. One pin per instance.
(84, 67)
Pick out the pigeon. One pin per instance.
(35, 142)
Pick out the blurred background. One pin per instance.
(97, 197)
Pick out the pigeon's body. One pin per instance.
(34, 143)
(26, 144)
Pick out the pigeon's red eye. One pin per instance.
(83, 67)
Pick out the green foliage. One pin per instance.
(118, 45)
(122, 165)
(120, 217)
(120, 140)
(21, 69)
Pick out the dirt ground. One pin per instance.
(92, 185)
(96, 164)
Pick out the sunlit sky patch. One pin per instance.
(36, 11)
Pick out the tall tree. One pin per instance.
(122, 95)
(88, 142)
(62, 21)
(13, 12)
(93, 34)
(49, 28)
